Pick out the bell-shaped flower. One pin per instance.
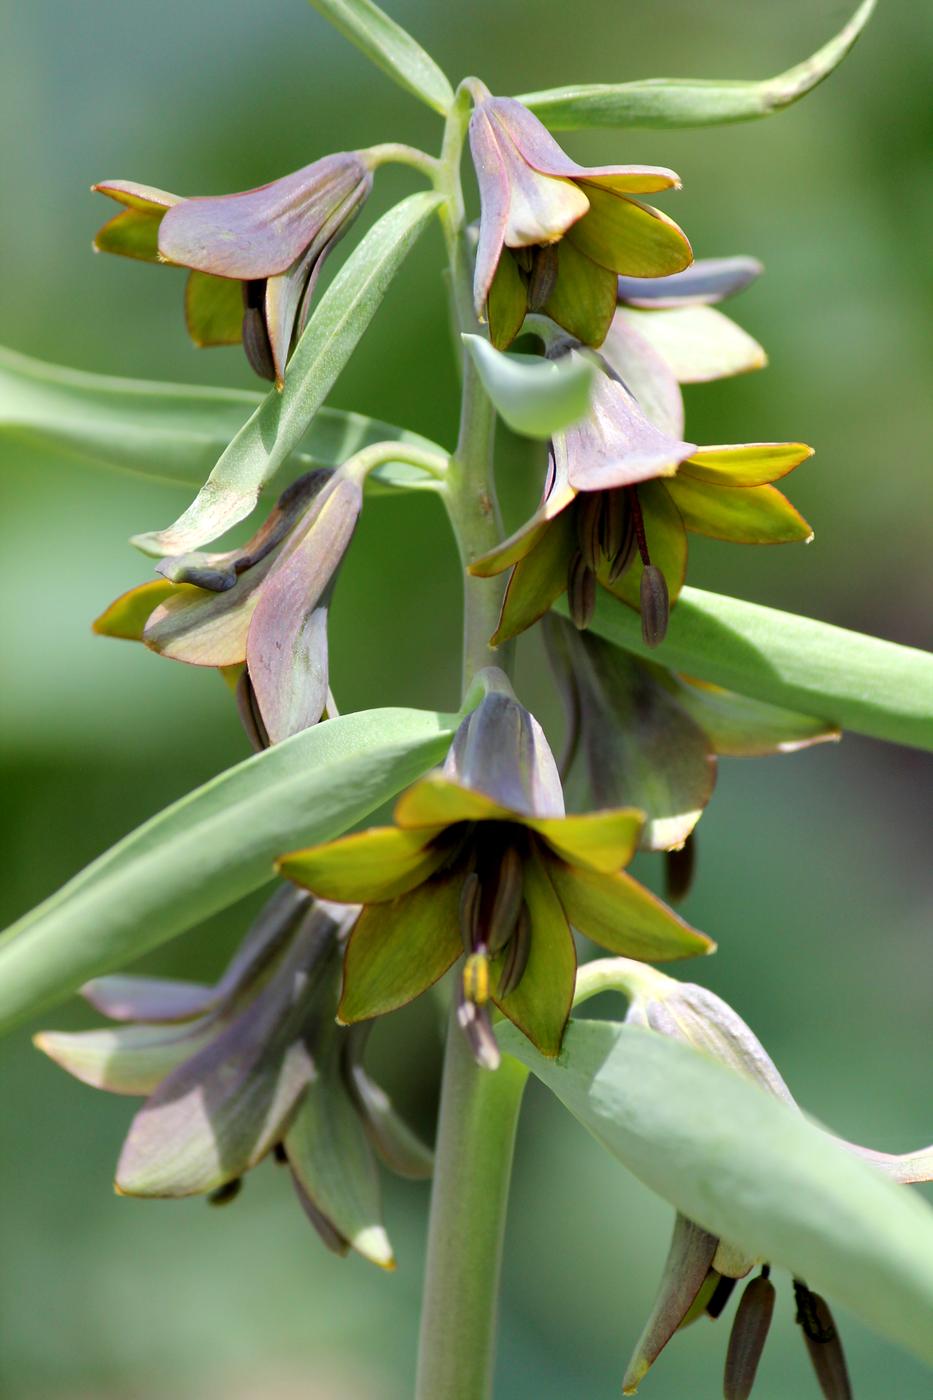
(553, 234)
(482, 864)
(620, 497)
(254, 257)
(701, 1271)
(667, 332)
(252, 1066)
(641, 735)
(263, 605)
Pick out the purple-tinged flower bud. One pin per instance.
(655, 605)
(822, 1341)
(747, 1338)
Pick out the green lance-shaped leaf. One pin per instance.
(278, 425)
(389, 47)
(748, 1168)
(671, 102)
(208, 850)
(169, 433)
(850, 680)
(535, 397)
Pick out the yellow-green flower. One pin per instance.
(483, 864)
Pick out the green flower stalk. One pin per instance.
(252, 1067)
(483, 864)
(253, 258)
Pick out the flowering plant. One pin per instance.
(578, 313)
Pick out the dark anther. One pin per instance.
(525, 257)
(543, 277)
(655, 606)
(470, 896)
(679, 870)
(822, 1343)
(506, 902)
(581, 591)
(248, 710)
(516, 954)
(255, 333)
(638, 520)
(587, 519)
(720, 1295)
(747, 1338)
(226, 1193)
(817, 1324)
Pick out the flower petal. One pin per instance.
(908, 1168)
(127, 615)
(152, 999)
(558, 496)
(540, 1004)
(333, 1163)
(494, 202)
(667, 545)
(698, 343)
(745, 464)
(367, 867)
(124, 1059)
(646, 376)
(399, 949)
(628, 237)
(602, 841)
(262, 231)
(507, 304)
(500, 751)
(537, 580)
(134, 233)
(688, 1262)
(583, 300)
(619, 914)
(616, 445)
(740, 727)
(213, 309)
(147, 199)
(706, 281)
(437, 800)
(742, 514)
(542, 204)
(400, 1148)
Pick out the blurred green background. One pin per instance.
(812, 867)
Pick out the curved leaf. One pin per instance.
(209, 849)
(389, 47)
(170, 433)
(535, 397)
(749, 1168)
(278, 425)
(850, 680)
(668, 102)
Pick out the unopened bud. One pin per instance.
(516, 954)
(655, 605)
(747, 1339)
(822, 1342)
(470, 895)
(543, 277)
(581, 591)
(679, 868)
(507, 901)
(476, 979)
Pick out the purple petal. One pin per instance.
(688, 1262)
(148, 999)
(261, 232)
(705, 282)
(646, 375)
(494, 203)
(500, 750)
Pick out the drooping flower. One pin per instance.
(263, 606)
(254, 257)
(620, 497)
(553, 234)
(641, 735)
(250, 1067)
(483, 864)
(701, 1271)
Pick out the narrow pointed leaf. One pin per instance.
(389, 47)
(168, 433)
(672, 102)
(749, 1168)
(209, 849)
(278, 425)
(845, 678)
(535, 397)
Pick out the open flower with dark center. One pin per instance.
(643, 736)
(553, 234)
(483, 865)
(701, 1271)
(263, 606)
(254, 257)
(252, 1066)
(620, 496)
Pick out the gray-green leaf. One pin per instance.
(278, 425)
(536, 397)
(389, 47)
(669, 102)
(169, 433)
(749, 1169)
(209, 849)
(853, 681)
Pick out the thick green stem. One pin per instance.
(472, 1169)
(479, 1108)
